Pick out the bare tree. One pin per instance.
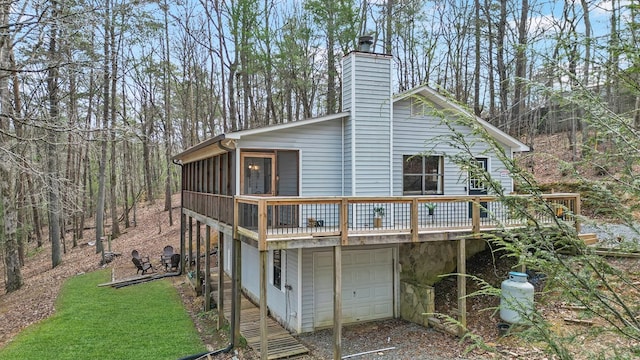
(54, 209)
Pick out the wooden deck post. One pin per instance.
(190, 258)
(198, 267)
(337, 302)
(264, 331)
(462, 286)
(414, 220)
(262, 225)
(220, 299)
(183, 228)
(576, 214)
(207, 270)
(344, 221)
(235, 291)
(475, 215)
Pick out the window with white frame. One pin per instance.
(422, 175)
(277, 265)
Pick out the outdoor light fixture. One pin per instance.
(254, 167)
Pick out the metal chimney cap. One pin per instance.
(365, 42)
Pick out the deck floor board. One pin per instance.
(281, 344)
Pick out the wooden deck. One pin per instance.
(277, 222)
(281, 344)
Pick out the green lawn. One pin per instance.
(136, 322)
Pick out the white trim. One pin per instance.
(353, 124)
(300, 172)
(237, 164)
(299, 292)
(488, 170)
(283, 272)
(395, 253)
(390, 130)
(342, 184)
(293, 124)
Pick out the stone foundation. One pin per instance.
(415, 301)
(423, 263)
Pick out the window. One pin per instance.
(422, 175)
(277, 269)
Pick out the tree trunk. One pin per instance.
(388, 46)
(11, 257)
(7, 182)
(168, 127)
(100, 206)
(502, 69)
(113, 204)
(52, 140)
(476, 72)
(521, 67)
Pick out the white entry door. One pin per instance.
(367, 286)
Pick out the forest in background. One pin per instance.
(95, 97)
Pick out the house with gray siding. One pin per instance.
(300, 200)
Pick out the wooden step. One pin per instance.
(589, 238)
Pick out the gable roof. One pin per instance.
(438, 99)
(227, 142)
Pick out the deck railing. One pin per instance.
(214, 206)
(281, 218)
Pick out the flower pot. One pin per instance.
(377, 222)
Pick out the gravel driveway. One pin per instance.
(614, 234)
(389, 339)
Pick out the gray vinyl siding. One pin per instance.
(371, 123)
(307, 291)
(346, 83)
(281, 303)
(415, 134)
(290, 301)
(320, 154)
(348, 126)
(250, 270)
(348, 173)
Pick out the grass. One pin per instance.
(136, 322)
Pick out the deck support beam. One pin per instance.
(207, 269)
(264, 330)
(220, 300)
(183, 228)
(190, 257)
(196, 277)
(462, 287)
(235, 291)
(337, 302)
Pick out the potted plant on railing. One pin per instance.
(378, 214)
(431, 208)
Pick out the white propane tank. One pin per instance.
(517, 298)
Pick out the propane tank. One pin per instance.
(517, 298)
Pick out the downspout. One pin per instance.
(206, 355)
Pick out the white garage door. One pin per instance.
(367, 286)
